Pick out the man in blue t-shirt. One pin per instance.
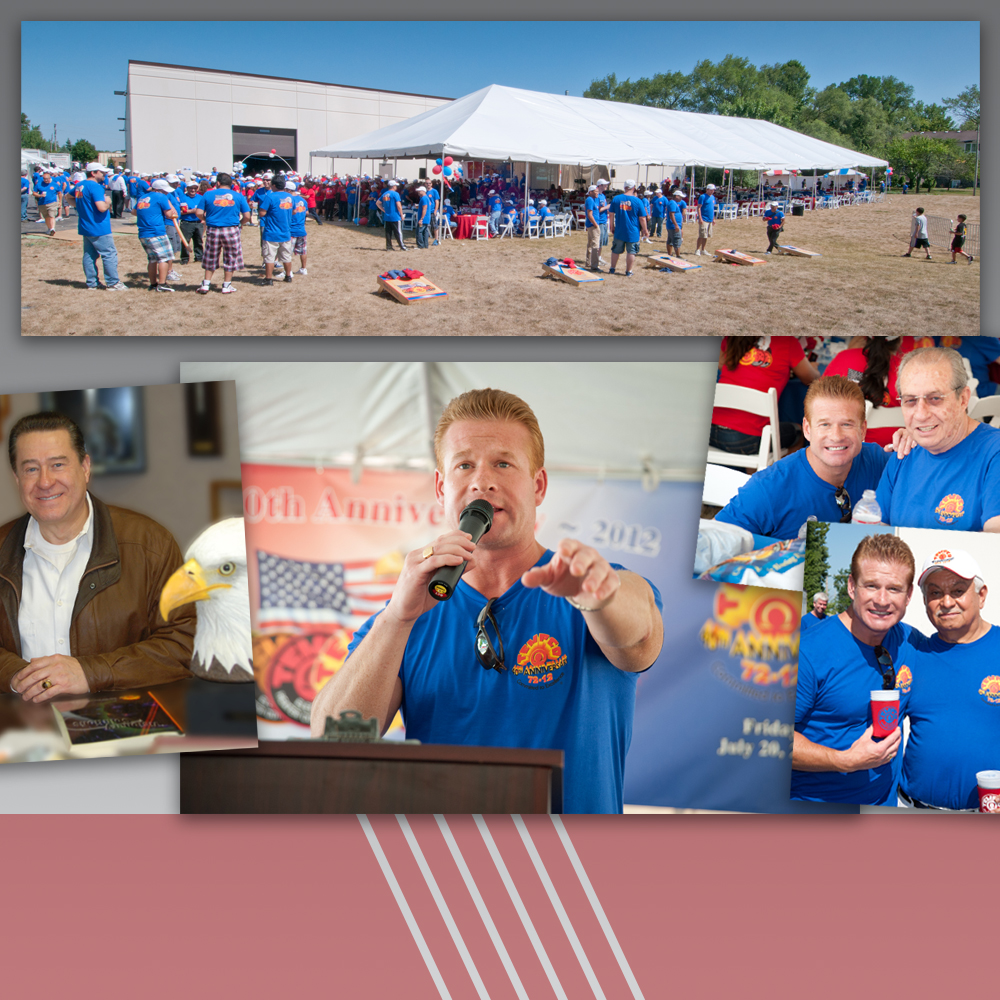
(657, 209)
(818, 613)
(675, 208)
(824, 479)
(300, 209)
(94, 225)
(226, 212)
(628, 225)
(49, 194)
(25, 193)
(706, 218)
(425, 210)
(951, 479)
(494, 206)
(533, 648)
(774, 220)
(602, 204)
(192, 212)
(954, 702)
(391, 207)
(835, 757)
(276, 229)
(593, 209)
(154, 212)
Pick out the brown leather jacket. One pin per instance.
(116, 632)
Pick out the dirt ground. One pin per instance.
(860, 284)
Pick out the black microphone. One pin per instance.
(476, 520)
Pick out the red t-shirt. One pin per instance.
(758, 370)
(309, 193)
(851, 364)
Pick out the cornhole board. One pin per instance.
(797, 251)
(573, 275)
(735, 257)
(409, 290)
(674, 263)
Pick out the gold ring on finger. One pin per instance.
(428, 552)
(46, 684)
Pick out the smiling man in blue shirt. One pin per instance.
(94, 225)
(706, 218)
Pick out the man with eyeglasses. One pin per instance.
(954, 703)
(951, 479)
(841, 661)
(534, 648)
(824, 479)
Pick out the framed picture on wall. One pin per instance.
(112, 424)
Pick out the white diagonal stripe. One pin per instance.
(595, 903)
(383, 863)
(515, 898)
(484, 913)
(556, 902)
(442, 906)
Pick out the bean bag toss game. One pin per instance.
(409, 287)
(566, 270)
(735, 257)
(796, 251)
(661, 260)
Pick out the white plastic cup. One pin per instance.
(989, 791)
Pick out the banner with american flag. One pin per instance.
(324, 554)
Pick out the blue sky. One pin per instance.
(938, 58)
(842, 540)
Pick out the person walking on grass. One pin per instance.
(226, 211)
(774, 219)
(94, 225)
(958, 241)
(919, 238)
(628, 224)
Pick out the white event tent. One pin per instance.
(506, 123)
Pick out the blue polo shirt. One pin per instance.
(777, 500)
(426, 210)
(50, 192)
(591, 205)
(628, 209)
(223, 207)
(675, 213)
(958, 489)
(603, 204)
(91, 222)
(774, 218)
(189, 204)
(707, 204)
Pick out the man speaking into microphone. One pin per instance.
(533, 648)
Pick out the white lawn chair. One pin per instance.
(444, 227)
(481, 228)
(548, 227)
(763, 404)
(985, 406)
(883, 416)
(532, 231)
(506, 226)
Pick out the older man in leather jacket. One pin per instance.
(80, 581)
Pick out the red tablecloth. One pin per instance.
(464, 224)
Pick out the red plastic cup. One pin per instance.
(989, 791)
(885, 713)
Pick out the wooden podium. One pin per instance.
(301, 776)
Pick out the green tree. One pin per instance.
(928, 118)
(892, 94)
(83, 151)
(965, 107)
(756, 107)
(921, 158)
(31, 135)
(730, 79)
(790, 77)
(840, 600)
(817, 563)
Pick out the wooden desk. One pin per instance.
(318, 777)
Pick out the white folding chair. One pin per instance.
(763, 404)
(531, 230)
(721, 484)
(444, 227)
(548, 227)
(506, 226)
(581, 219)
(481, 228)
(985, 406)
(883, 416)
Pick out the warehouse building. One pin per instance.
(184, 116)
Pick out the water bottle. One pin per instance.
(805, 525)
(867, 510)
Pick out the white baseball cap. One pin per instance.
(420, 187)
(492, 191)
(603, 181)
(393, 184)
(630, 185)
(709, 187)
(160, 185)
(543, 202)
(957, 560)
(289, 185)
(593, 187)
(91, 167)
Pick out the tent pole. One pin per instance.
(527, 171)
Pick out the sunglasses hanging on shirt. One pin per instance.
(885, 665)
(489, 648)
(843, 499)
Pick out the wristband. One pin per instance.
(580, 607)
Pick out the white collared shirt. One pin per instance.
(50, 580)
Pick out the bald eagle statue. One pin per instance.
(215, 575)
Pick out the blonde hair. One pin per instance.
(834, 387)
(491, 404)
(887, 549)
